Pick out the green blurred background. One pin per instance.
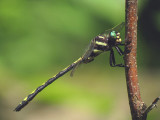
(41, 37)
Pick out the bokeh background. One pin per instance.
(38, 38)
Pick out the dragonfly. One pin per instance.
(101, 43)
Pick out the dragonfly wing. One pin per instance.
(117, 28)
(78, 62)
(85, 56)
(89, 50)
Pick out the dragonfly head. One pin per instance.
(115, 38)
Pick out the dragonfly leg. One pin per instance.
(119, 50)
(122, 44)
(112, 60)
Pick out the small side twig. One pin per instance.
(151, 107)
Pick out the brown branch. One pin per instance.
(139, 110)
(136, 105)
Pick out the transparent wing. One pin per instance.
(85, 56)
(78, 62)
(89, 50)
(117, 28)
(74, 68)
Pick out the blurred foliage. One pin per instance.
(39, 34)
(40, 37)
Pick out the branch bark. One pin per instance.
(139, 110)
(136, 105)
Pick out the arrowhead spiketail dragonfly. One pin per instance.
(102, 43)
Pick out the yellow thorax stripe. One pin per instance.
(96, 51)
(101, 43)
(101, 37)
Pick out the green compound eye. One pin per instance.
(113, 34)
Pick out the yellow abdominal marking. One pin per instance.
(69, 65)
(25, 99)
(32, 91)
(63, 69)
(43, 83)
(78, 60)
(101, 43)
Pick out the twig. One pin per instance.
(151, 107)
